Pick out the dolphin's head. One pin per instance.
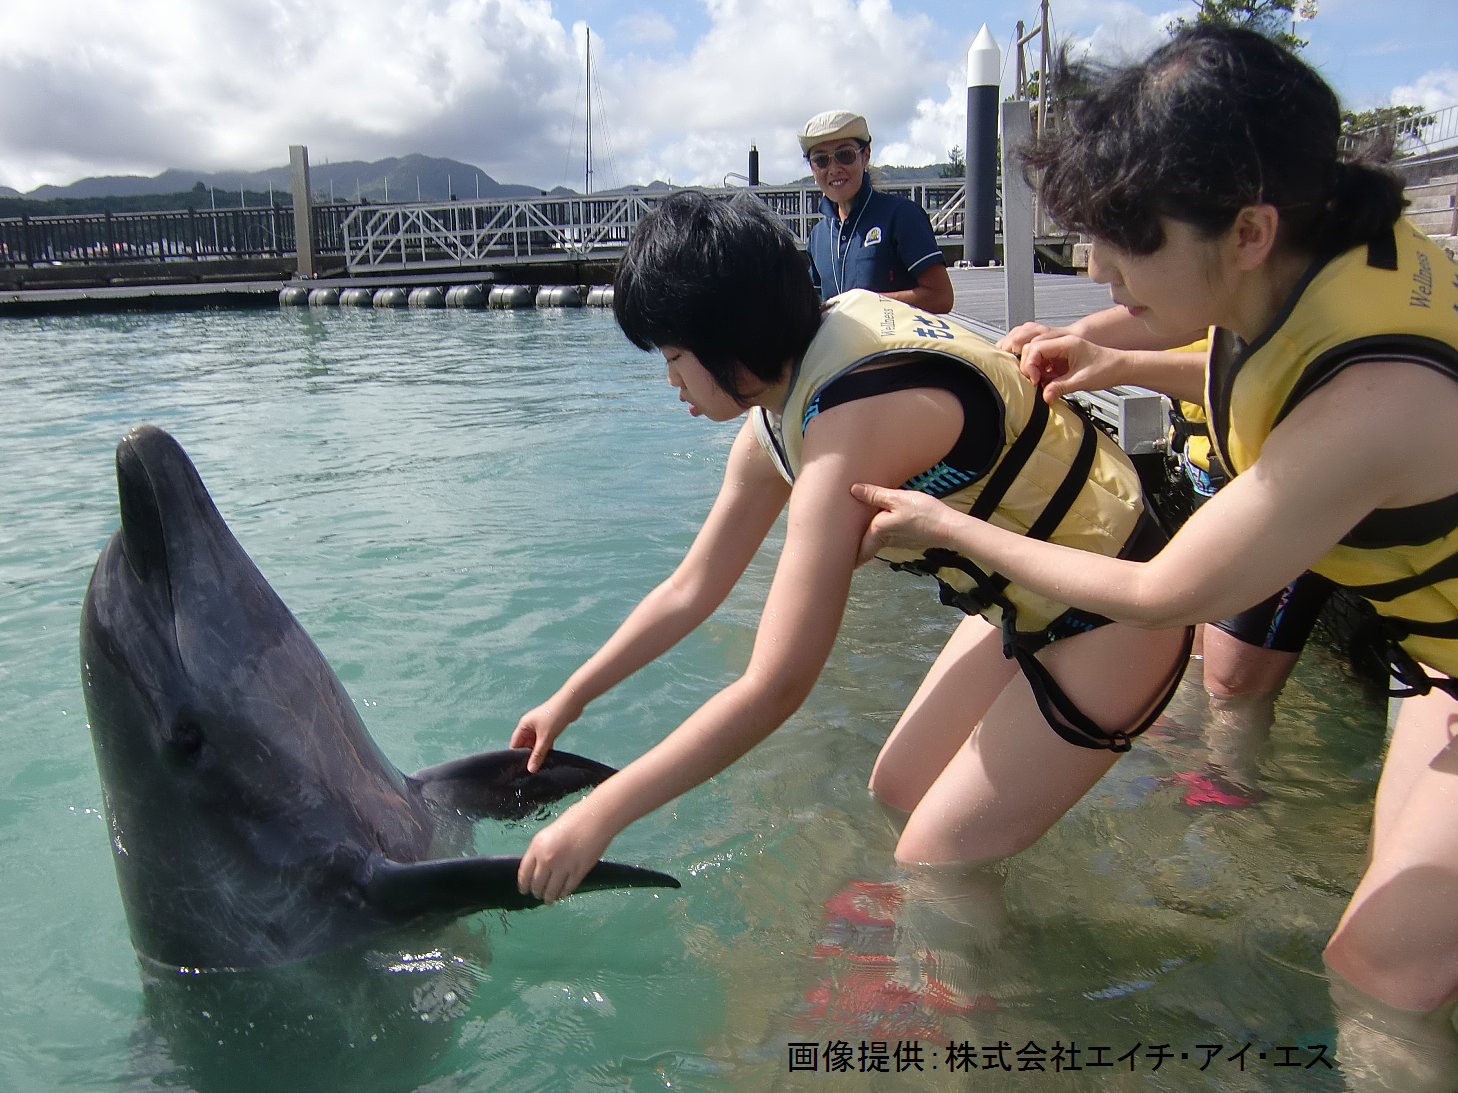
(253, 821)
(241, 787)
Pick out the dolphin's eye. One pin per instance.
(187, 739)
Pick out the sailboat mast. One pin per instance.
(587, 161)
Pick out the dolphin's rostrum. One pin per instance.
(253, 820)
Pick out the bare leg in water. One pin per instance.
(1242, 682)
(1394, 955)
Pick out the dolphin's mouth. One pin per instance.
(144, 538)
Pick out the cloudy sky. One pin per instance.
(91, 87)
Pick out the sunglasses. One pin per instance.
(844, 156)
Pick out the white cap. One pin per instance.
(833, 125)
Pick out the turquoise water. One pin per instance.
(459, 507)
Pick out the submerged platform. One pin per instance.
(980, 295)
(191, 296)
(154, 297)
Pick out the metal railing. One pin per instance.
(1429, 131)
(460, 233)
(188, 234)
(430, 235)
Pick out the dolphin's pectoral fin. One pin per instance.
(461, 886)
(496, 784)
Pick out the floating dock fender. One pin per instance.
(391, 297)
(357, 297)
(293, 296)
(426, 296)
(600, 296)
(559, 296)
(512, 296)
(465, 296)
(323, 297)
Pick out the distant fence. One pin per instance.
(156, 237)
(421, 235)
(429, 235)
(1423, 133)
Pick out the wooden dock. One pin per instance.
(1058, 300)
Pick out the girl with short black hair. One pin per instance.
(984, 759)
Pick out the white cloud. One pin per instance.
(1125, 35)
(1433, 90)
(1123, 31)
(760, 70)
(937, 126)
(645, 26)
(91, 86)
(136, 86)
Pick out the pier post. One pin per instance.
(1017, 213)
(303, 210)
(979, 194)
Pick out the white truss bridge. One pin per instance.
(575, 228)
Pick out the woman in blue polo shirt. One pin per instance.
(867, 239)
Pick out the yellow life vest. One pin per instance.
(1189, 432)
(1065, 463)
(1396, 299)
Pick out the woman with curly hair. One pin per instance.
(1210, 181)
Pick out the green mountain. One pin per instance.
(406, 178)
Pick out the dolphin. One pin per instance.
(253, 820)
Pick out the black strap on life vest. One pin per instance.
(1387, 591)
(1065, 718)
(1411, 525)
(1182, 428)
(1062, 715)
(1382, 251)
(1014, 460)
(1377, 644)
(990, 586)
(777, 455)
(1411, 348)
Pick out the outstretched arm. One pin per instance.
(752, 495)
(1374, 437)
(888, 438)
